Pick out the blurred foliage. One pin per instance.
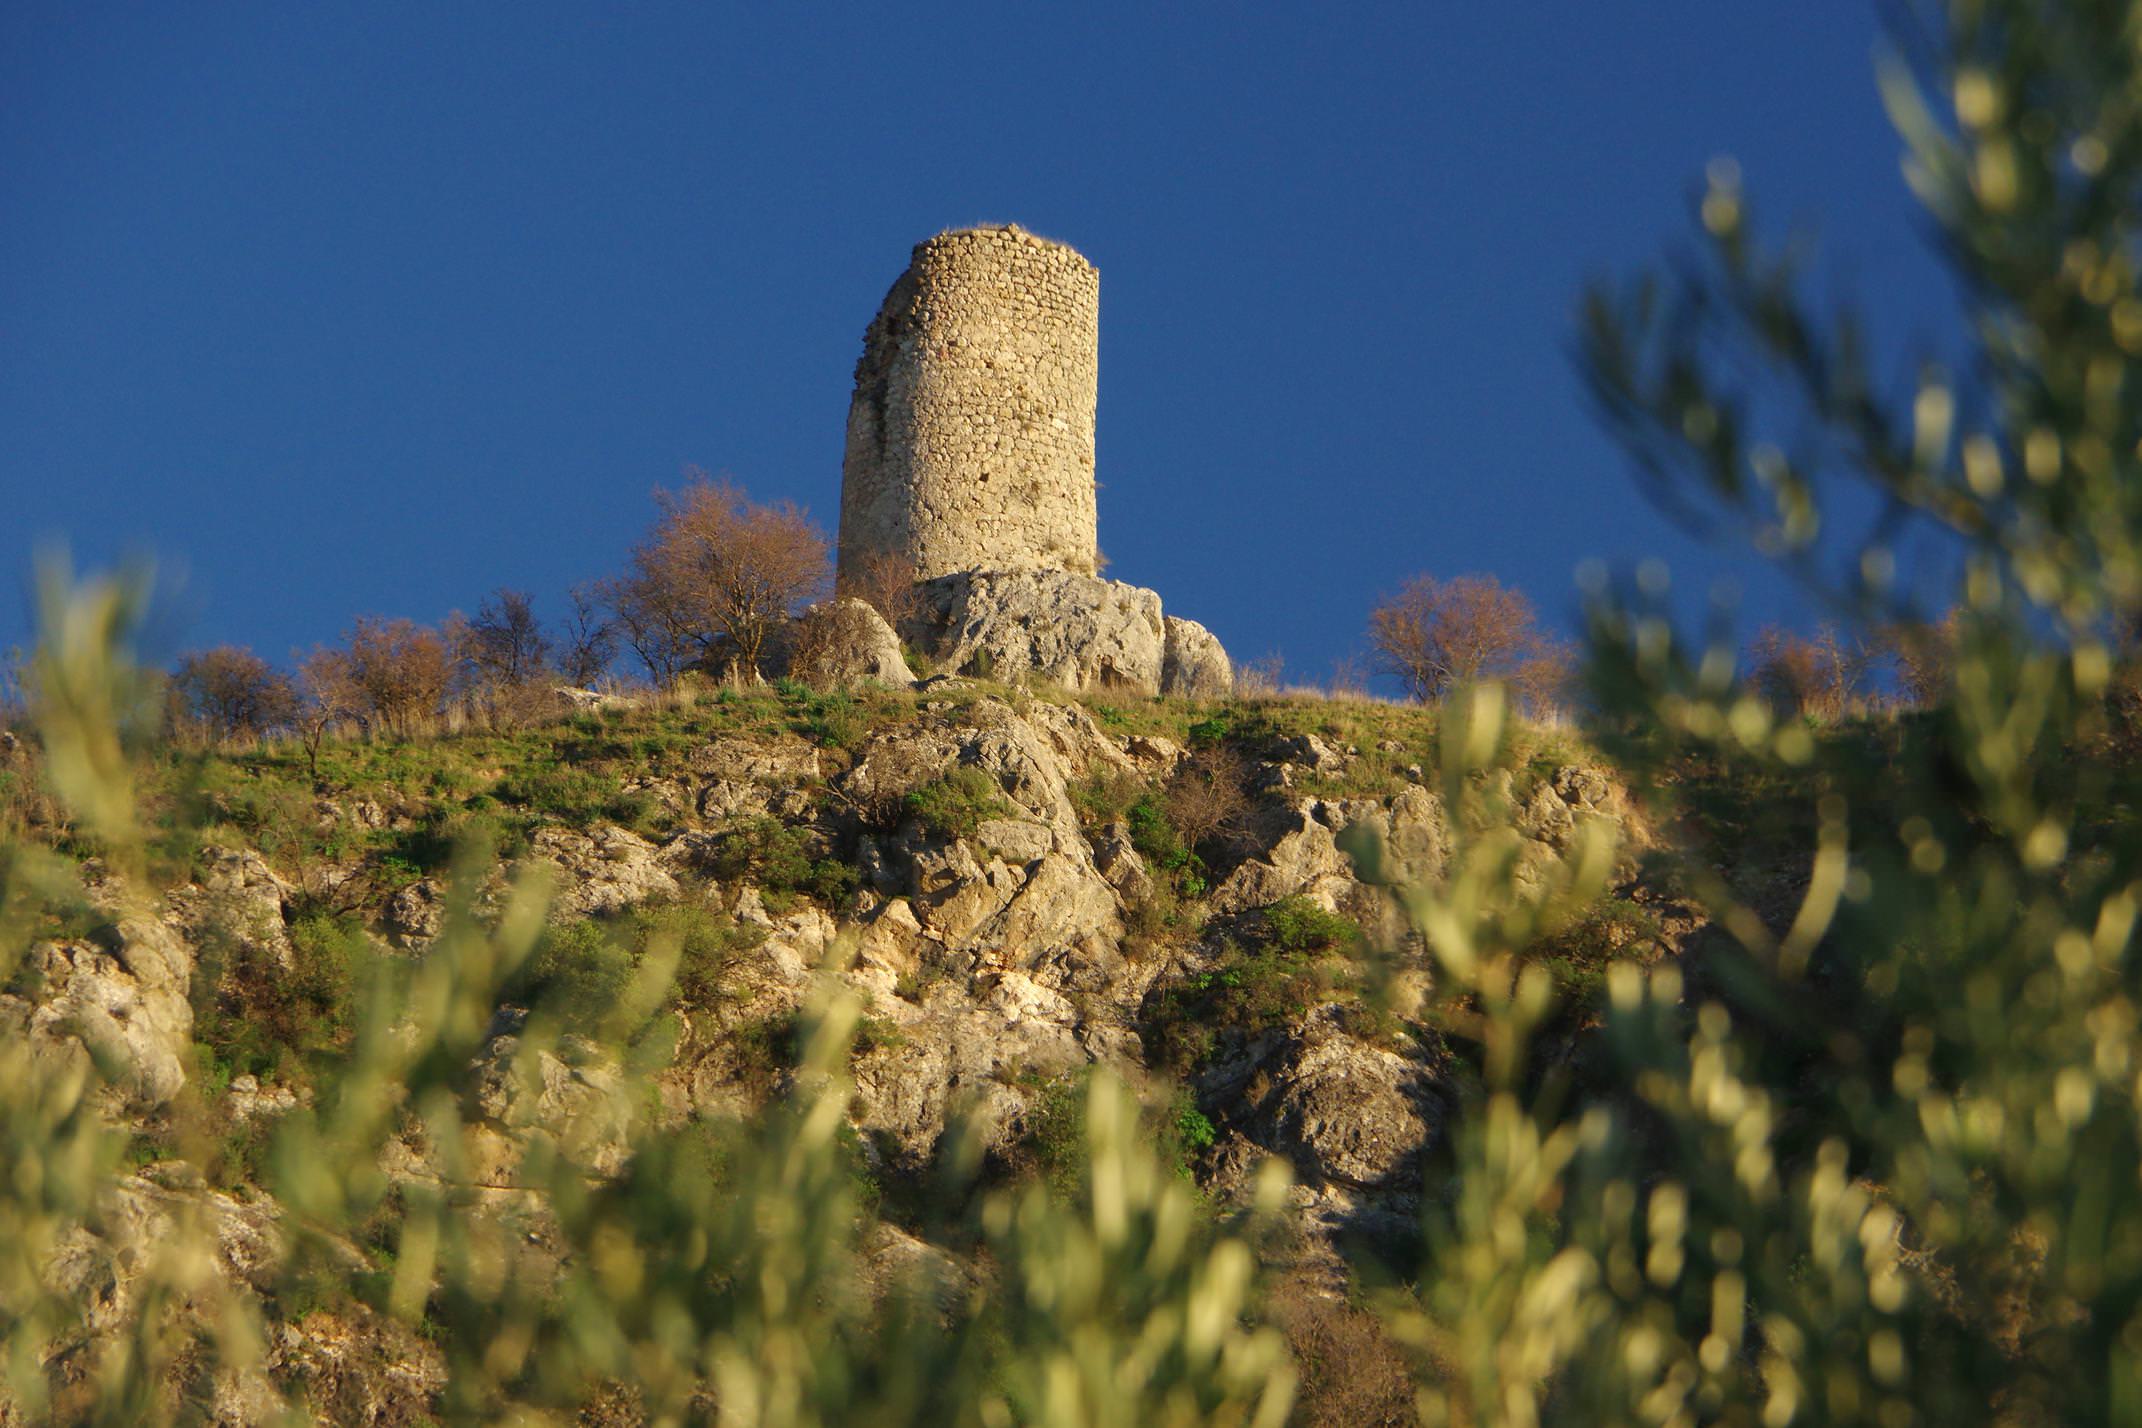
(694, 1273)
(1869, 1152)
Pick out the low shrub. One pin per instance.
(255, 1016)
(1105, 796)
(956, 805)
(778, 859)
(709, 944)
(1162, 845)
(835, 720)
(1297, 925)
(1296, 961)
(1212, 730)
(1579, 955)
(1055, 1132)
(579, 971)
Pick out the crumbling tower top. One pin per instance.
(970, 434)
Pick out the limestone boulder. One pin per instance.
(123, 1000)
(239, 903)
(1079, 631)
(1193, 665)
(570, 1095)
(1401, 842)
(846, 642)
(415, 913)
(602, 871)
(1343, 1110)
(734, 778)
(1301, 858)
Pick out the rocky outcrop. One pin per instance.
(1303, 859)
(570, 1093)
(1036, 930)
(1344, 1110)
(121, 999)
(1192, 664)
(602, 871)
(846, 642)
(1078, 631)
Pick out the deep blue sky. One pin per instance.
(371, 308)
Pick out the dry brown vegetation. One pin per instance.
(392, 675)
(232, 693)
(1821, 676)
(1434, 635)
(1353, 1375)
(503, 643)
(714, 581)
(884, 582)
(1209, 796)
(1924, 656)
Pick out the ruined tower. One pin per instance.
(970, 435)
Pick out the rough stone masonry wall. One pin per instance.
(970, 436)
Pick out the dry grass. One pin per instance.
(1352, 1374)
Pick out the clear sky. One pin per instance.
(349, 309)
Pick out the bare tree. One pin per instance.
(1434, 635)
(715, 580)
(1546, 681)
(14, 696)
(886, 583)
(1817, 677)
(389, 675)
(1208, 798)
(231, 693)
(588, 636)
(1924, 657)
(503, 643)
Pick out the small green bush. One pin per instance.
(1579, 955)
(956, 805)
(1193, 1127)
(709, 943)
(579, 971)
(764, 851)
(1105, 796)
(1211, 730)
(1296, 963)
(1154, 835)
(255, 1016)
(1296, 925)
(777, 858)
(1056, 1132)
(835, 720)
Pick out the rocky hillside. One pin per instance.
(1204, 897)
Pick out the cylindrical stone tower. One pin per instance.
(970, 436)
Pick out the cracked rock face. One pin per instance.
(846, 642)
(123, 1001)
(1350, 1112)
(992, 964)
(1078, 631)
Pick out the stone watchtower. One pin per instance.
(970, 435)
